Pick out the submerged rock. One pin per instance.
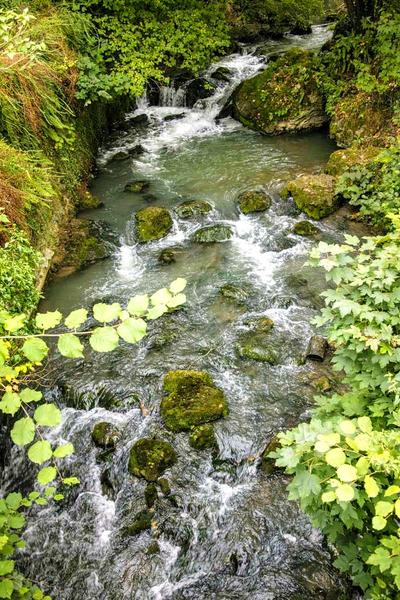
(254, 201)
(136, 150)
(193, 399)
(151, 495)
(137, 187)
(105, 435)
(149, 458)
(212, 234)
(170, 255)
(174, 117)
(164, 486)
(314, 195)
(120, 156)
(305, 229)
(256, 346)
(203, 437)
(152, 223)
(141, 119)
(193, 208)
(260, 324)
(286, 97)
(141, 522)
(153, 548)
(222, 74)
(234, 292)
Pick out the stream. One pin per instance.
(228, 530)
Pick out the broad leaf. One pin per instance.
(104, 339)
(40, 452)
(70, 346)
(23, 431)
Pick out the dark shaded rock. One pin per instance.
(164, 486)
(150, 198)
(254, 201)
(198, 89)
(175, 117)
(149, 458)
(193, 208)
(222, 74)
(267, 464)
(137, 150)
(137, 187)
(141, 119)
(170, 255)
(260, 324)
(152, 223)
(120, 156)
(212, 234)
(226, 110)
(141, 522)
(301, 28)
(203, 437)
(153, 548)
(105, 435)
(314, 194)
(193, 399)
(151, 495)
(256, 346)
(317, 348)
(305, 229)
(234, 292)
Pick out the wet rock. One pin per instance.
(120, 156)
(203, 437)
(141, 119)
(198, 89)
(175, 117)
(149, 458)
(88, 202)
(150, 495)
(137, 187)
(212, 234)
(164, 486)
(193, 208)
(301, 28)
(271, 103)
(256, 346)
(170, 255)
(342, 160)
(226, 110)
(137, 150)
(193, 399)
(314, 195)
(254, 201)
(141, 522)
(222, 74)
(152, 223)
(260, 324)
(105, 435)
(153, 548)
(234, 292)
(267, 465)
(317, 348)
(306, 229)
(150, 198)
(322, 384)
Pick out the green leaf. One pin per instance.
(40, 452)
(365, 424)
(14, 324)
(63, 451)
(14, 500)
(28, 395)
(138, 305)
(6, 567)
(328, 497)
(76, 318)
(71, 481)
(35, 349)
(6, 588)
(383, 508)
(46, 475)
(156, 311)
(4, 352)
(347, 427)
(10, 403)
(177, 301)
(392, 490)
(23, 431)
(69, 345)
(132, 330)
(344, 492)
(105, 313)
(379, 523)
(16, 521)
(104, 339)
(371, 487)
(347, 473)
(178, 285)
(48, 320)
(335, 457)
(162, 296)
(48, 415)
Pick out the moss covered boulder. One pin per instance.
(260, 324)
(193, 208)
(343, 160)
(306, 229)
(141, 522)
(137, 187)
(236, 293)
(286, 97)
(203, 437)
(193, 399)
(314, 195)
(105, 435)
(254, 201)
(149, 458)
(256, 346)
(212, 234)
(152, 223)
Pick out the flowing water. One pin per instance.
(228, 530)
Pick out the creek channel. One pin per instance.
(227, 530)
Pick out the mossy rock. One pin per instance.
(152, 223)
(170, 255)
(87, 201)
(193, 399)
(256, 346)
(306, 229)
(203, 437)
(234, 292)
(149, 458)
(342, 160)
(314, 195)
(141, 522)
(151, 495)
(193, 208)
(254, 201)
(286, 97)
(137, 187)
(105, 435)
(153, 548)
(267, 464)
(222, 74)
(164, 486)
(260, 324)
(212, 234)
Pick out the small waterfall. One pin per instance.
(172, 97)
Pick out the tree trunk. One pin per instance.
(360, 9)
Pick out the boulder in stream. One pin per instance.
(170, 255)
(152, 223)
(203, 437)
(141, 522)
(342, 160)
(212, 233)
(256, 346)
(193, 399)
(306, 229)
(260, 324)
(137, 187)
(150, 457)
(222, 74)
(164, 486)
(151, 495)
(314, 195)
(105, 435)
(254, 201)
(234, 292)
(193, 208)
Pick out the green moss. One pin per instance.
(193, 208)
(164, 486)
(305, 229)
(192, 399)
(256, 346)
(149, 458)
(137, 187)
(254, 201)
(286, 97)
(153, 548)
(202, 437)
(141, 522)
(105, 435)
(212, 234)
(152, 223)
(314, 195)
(343, 160)
(151, 495)
(234, 292)
(260, 324)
